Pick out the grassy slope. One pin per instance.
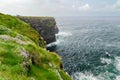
(15, 44)
(21, 27)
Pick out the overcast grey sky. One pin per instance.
(61, 7)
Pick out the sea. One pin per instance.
(89, 47)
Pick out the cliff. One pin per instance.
(45, 26)
(22, 53)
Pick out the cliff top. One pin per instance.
(45, 21)
(37, 17)
(20, 56)
(45, 26)
(19, 26)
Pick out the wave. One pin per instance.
(103, 75)
(64, 34)
(89, 76)
(105, 60)
(60, 34)
(117, 63)
(55, 43)
(82, 76)
(117, 77)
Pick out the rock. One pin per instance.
(45, 26)
(21, 57)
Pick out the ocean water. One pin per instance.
(89, 47)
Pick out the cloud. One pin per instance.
(59, 7)
(85, 7)
(73, 6)
(117, 5)
(114, 7)
(23, 7)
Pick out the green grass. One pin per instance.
(50, 20)
(13, 43)
(21, 27)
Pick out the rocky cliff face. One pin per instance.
(45, 26)
(21, 57)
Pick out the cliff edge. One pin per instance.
(22, 53)
(45, 26)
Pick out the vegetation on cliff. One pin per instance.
(50, 20)
(45, 26)
(21, 27)
(20, 56)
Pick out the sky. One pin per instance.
(61, 7)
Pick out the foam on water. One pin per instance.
(60, 34)
(107, 53)
(64, 34)
(117, 63)
(118, 78)
(55, 43)
(105, 60)
(89, 76)
(82, 76)
(89, 48)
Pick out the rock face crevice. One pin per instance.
(45, 26)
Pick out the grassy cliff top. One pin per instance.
(20, 56)
(37, 17)
(45, 21)
(19, 26)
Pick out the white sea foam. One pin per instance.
(82, 76)
(117, 63)
(105, 60)
(55, 43)
(111, 45)
(64, 34)
(117, 77)
(90, 76)
(107, 53)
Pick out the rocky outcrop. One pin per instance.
(45, 26)
(21, 57)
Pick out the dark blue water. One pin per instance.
(89, 47)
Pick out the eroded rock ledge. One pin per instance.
(45, 26)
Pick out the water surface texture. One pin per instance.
(89, 47)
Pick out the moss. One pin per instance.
(21, 27)
(64, 76)
(4, 30)
(22, 59)
(47, 74)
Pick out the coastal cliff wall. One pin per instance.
(21, 57)
(45, 26)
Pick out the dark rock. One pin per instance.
(45, 26)
(61, 66)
